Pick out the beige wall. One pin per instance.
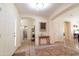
(56, 26)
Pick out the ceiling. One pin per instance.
(25, 10)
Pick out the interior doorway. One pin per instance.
(67, 30)
(28, 25)
(68, 35)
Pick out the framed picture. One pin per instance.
(43, 26)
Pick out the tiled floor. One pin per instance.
(25, 47)
(56, 50)
(29, 49)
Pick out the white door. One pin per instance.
(2, 35)
(7, 30)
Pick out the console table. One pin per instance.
(44, 38)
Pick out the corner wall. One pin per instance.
(56, 26)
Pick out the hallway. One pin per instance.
(44, 26)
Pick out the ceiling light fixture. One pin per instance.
(39, 6)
